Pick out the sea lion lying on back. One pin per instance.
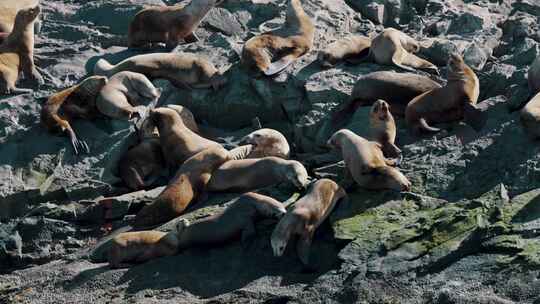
(183, 70)
(168, 24)
(271, 52)
(353, 48)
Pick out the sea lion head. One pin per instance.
(455, 62)
(335, 140)
(267, 139)
(164, 117)
(326, 59)
(27, 15)
(297, 174)
(390, 178)
(282, 233)
(380, 109)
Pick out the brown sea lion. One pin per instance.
(234, 222)
(250, 174)
(3, 36)
(262, 143)
(530, 117)
(534, 77)
(393, 47)
(383, 128)
(168, 24)
(125, 91)
(183, 70)
(353, 48)
(78, 101)
(178, 142)
(141, 246)
(365, 162)
(307, 214)
(148, 127)
(453, 102)
(271, 52)
(188, 185)
(17, 53)
(143, 164)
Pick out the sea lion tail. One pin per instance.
(102, 67)
(474, 116)
(424, 127)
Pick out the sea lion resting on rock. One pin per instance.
(168, 24)
(141, 246)
(534, 77)
(187, 186)
(250, 174)
(183, 70)
(123, 91)
(308, 213)
(455, 101)
(236, 221)
(393, 47)
(17, 53)
(271, 52)
(262, 143)
(364, 160)
(78, 101)
(353, 48)
(383, 128)
(530, 117)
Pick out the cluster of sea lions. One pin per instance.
(171, 144)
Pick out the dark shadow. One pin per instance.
(84, 276)
(529, 212)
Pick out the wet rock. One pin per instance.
(225, 22)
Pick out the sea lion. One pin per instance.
(79, 101)
(123, 92)
(234, 222)
(262, 143)
(168, 24)
(365, 162)
(455, 101)
(149, 129)
(143, 164)
(3, 36)
(271, 52)
(395, 88)
(141, 246)
(177, 141)
(10, 8)
(183, 70)
(307, 214)
(383, 128)
(534, 77)
(250, 174)
(17, 53)
(188, 185)
(393, 47)
(530, 117)
(353, 48)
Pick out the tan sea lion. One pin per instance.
(79, 101)
(143, 164)
(141, 246)
(17, 53)
(178, 142)
(453, 102)
(125, 91)
(168, 24)
(393, 47)
(149, 129)
(234, 222)
(183, 70)
(353, 48)
(271, 52)
(250, 174)
(530, 117)
(307, 214)
(188, 185)
(9, 10)
(395, 88)
(383, 128)
(262, 143)
(365, 162)
(534, 77)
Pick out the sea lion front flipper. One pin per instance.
(396, 61)
(78, 145)
(278, 66)
(191, 38)
(303, 246)
(474, 116)
(424, 127)
(248, 235)
(391, 150)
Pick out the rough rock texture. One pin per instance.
(468, 232)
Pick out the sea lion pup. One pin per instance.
(353, 48)
(271, 52)
(365, 162)
(534, 77)
(168, 24)
(383, 128)
(177, 141)
(123, 92)
(530, 117)
(141, 246)
(393, 47)
(308, 213)
(395, 88)
(17, 53)
(262, 143)
(142, 165)
(183, 70)
(250, 174)
(455, 101)
(188, 185)
(79, 101)
(234, 222)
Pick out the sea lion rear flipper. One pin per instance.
(390, 150)
(424, 127)
(474, 116)
(191, 38)
(278, 66)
